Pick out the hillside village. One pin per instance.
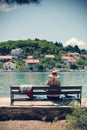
(17, 60)
(6, 60)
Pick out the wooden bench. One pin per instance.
(42, 90)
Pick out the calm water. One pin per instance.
(38, 78)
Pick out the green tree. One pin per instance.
(1, 65)
(73, 66)
(22, 1)
(76, 49)
(69, 48)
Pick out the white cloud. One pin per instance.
(73, 41)
(4, 7)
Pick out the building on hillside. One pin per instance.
(31, 62)
(74, 55)
(49, 56)
(84, 55)
(16, 52)
(68, 60)
(30, 57)
(5, 58)
(9, 66)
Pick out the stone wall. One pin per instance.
(34, 113)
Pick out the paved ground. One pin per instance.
(6, 102)
(32, 125)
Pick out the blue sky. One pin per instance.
(53, 20)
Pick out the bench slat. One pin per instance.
(49, 92)
(44, 87)
(27, 99)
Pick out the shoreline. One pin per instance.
(58, 70)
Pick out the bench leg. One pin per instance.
(79, 97)
(12, 102)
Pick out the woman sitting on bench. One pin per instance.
(53, 81)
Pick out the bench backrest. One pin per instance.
(43, 89)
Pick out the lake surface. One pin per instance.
(40, 78)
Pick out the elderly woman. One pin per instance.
(53, 81)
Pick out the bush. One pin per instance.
(78, 119)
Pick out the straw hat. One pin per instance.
(54, 75)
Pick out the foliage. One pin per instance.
(73, 66)
(20, 64)
(21, 1)
(78, 118)
(1, 65)
(38, 49)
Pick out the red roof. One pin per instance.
(85, 55)
(10, 63)
(68, 58)
(30, 61)
(65, 57)
(6, 57)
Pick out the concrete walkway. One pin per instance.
(5, 102)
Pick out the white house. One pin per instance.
(9, 66)
(49, 56)
(30, 57)
(16, 52)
